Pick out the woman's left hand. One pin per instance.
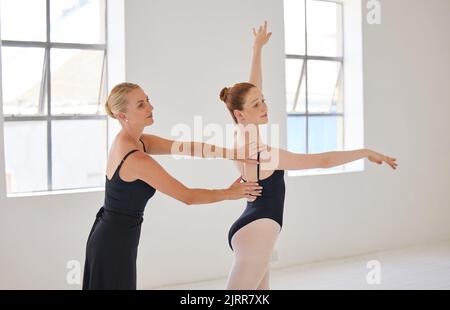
(380, 158)
(261, 36)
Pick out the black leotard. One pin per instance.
(111, 249)
(270, 205)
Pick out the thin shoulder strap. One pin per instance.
(125, 157)
(120, 165)
(257, 171)
(143, 145)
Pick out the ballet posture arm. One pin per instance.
(145, 168)
(285, 160)
(279, 159)
(156, 145)
(261, 37)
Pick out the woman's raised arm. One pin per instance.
(261, 37)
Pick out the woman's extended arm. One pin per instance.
(148, 170)
(279, 159)
(261, 38)
(160, 146)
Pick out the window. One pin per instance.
(53, 59)
(314, 75)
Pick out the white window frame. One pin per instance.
(46, 83)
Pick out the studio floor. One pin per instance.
(413, 268)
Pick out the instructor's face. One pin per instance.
(139, 110)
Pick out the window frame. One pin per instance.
(306, 57)
(46, 91)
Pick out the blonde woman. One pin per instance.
(132, 177)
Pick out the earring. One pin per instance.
(126, 120)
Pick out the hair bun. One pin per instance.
(108, 109)
(224, 94)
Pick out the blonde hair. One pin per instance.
(116, 101)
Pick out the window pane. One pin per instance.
(296, 132)
(77, 86)
(77, 21)
(22, 69)
(78, 153)
(295, 89)
(324, 27)
(26, 156)
(294, 26)
(23, 20)
(322, 86)
(325, 134)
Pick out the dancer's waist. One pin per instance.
(120, 212)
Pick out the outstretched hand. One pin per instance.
(380, 158)
(261, 36)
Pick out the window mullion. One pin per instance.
(337, 86)
(43, 92)
(297, 92)
(306, 81)
(102, 84)
(311, 57)
(43, 85)
(49, 98)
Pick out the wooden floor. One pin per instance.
(425, 267)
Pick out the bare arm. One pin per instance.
(333, 159)
(160, 146)
(256, 71)
(148, 170)
(260, 39)
(280, 159)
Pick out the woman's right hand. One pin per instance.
(261, 36)
(249, 190)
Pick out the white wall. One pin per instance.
(183, 53)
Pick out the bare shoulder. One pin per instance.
(123, 144)
(135, 164)
(119, 149)
(157, 145)
(139, 158)
(140, 163)
(143, 167)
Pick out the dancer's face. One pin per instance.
(254, 110)
(139, 109)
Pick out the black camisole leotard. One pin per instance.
(112, 245)
(270, 205)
